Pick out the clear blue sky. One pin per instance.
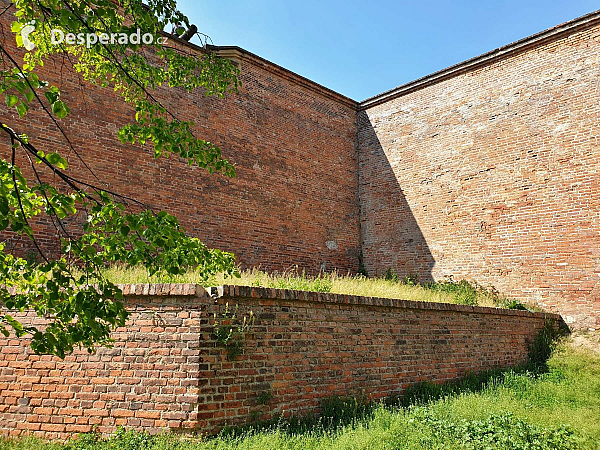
(362, 48)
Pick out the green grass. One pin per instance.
(389, 286)
(558, 409)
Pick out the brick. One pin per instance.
(307, 146)
(489, 176)
(306, 363)
(464, 176)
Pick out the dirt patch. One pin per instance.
(583, 340)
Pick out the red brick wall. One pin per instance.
(490, 172)
(167, 372)
(293, 143)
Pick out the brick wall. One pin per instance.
(293, 143)
(489, 171)
(167, 372)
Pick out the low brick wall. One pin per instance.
(166, 371)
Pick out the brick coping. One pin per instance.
(548, 35)
(236, 53)
(230, 291)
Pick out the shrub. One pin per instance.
(511, 303)
(502, 431)
(544, 343)
(464, 292)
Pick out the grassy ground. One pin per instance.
(557, 409)
(386, 287)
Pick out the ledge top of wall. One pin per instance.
(238, 54)
(556, 32)
(230, 291)
(163, 289)
(242, 292)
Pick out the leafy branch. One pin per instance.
(70, 292)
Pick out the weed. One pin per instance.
(264, 397)
(511, 303)
(501, 431)
(390, 275)
(464, 293)
(229, 330)
(388, 286)
(543, 345)
(341, 411)
(411, 280)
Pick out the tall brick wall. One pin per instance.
(486, 171)
(294, 200)
(166, 371)
(490, 171)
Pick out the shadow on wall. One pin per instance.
(391, 237)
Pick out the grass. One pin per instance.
(389, 286)
(557, 409)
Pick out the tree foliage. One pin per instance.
(80, 306)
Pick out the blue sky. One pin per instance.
(361, 48)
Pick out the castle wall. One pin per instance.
(294, 200)
(487, 170)
(490, 171)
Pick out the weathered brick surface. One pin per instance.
(293, 143)
(492, 174)
(148, 380)
(487, 171)
(167, 372)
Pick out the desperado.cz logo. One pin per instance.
(25, 32)
(57, 37)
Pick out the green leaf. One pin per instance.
(4, 206)
(11, 100)
(35, 80)
(52, 95)
(17, 226)
(60, 109)
(29, 95)
(22, 109)
(57, 160)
